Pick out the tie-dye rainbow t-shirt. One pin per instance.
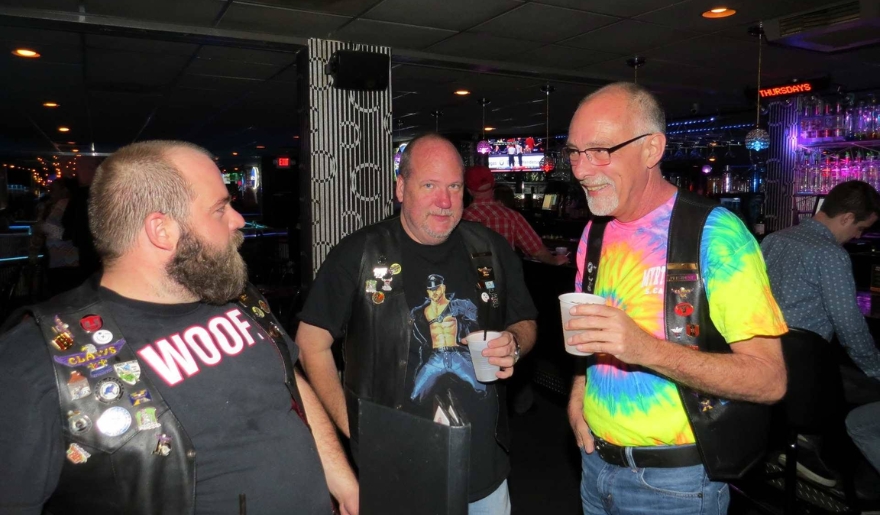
(630, 405)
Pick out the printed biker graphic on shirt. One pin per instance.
(439, 324)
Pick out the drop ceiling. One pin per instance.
(222, 72)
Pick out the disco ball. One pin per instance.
(547, 164)
(758, 139)
(707, 169)
(483, 147)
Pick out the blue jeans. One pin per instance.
(496, 503)
(609, 489)
(445, 362)
(863, 426)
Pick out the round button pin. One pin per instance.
(102, 337)
(109, 389)
(114, 422)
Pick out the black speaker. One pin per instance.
(362, 71)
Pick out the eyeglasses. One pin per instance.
(596, 156)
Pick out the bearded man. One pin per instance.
(114, 394)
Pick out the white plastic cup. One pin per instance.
(561, 251)
(568, 301)
(484, 370)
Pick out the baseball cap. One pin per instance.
(479, 178)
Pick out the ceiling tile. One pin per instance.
(235, 69)
(341, 7)
(190, 12)
(481, 46)
(709, 51)
(687, 15)
(390, 34)
(544, 23)
(214, 83)
(626, 8)
(147, 46)
(618, 38)
(561, 57)
(256, 18)
(444, 14)
(52, 5)
(107, 66)
(40, 37)
(263, 57)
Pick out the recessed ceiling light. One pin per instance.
(235, 153)
(261, 146)
(74, 150)
(71, 143)
(50, 104)
(489, 128)
(63, 129)
(462, 92)
(25, 52)
(719, 12)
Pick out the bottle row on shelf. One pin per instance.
(817, 172)
(841, 119)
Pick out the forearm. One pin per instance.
(525, 331)
(320, 368)
(578, 387)
(854, 335)
(544, 256)
(337, 470)
(734, 376)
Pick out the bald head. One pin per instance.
(413, 147)
(643, 110)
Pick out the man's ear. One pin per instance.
(162, 231)
(654, 149)
(399, 188)
(847, 219)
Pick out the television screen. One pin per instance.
(549, 202)
(516, 153)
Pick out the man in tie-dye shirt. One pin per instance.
(628, 397)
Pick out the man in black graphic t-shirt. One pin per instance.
(175, 386)
(440, 324)
(374, 283)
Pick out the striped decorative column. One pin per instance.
(346, 168)
(780, 183)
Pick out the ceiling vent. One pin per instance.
(835, 28)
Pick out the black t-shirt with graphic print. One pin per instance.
(233, 405)
(446, 271)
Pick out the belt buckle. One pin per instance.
(607, 452)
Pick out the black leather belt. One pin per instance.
(658, 457)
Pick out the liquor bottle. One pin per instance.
(759, 227)
(861, 129)
(849, 121)
(839, 121)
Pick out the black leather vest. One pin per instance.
(377, 338)
(731, 435)
(149, 467)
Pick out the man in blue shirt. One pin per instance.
(812, 280)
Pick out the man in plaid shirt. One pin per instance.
(505, 221)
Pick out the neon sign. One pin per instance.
(792, 89)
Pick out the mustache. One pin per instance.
(238, 239)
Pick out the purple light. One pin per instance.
(483, 147)
(397, 158)
(707, 169)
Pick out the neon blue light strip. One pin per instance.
(17, 258)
